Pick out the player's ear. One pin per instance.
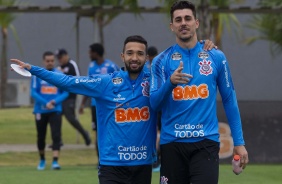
(122, 57)
(197, 23)
(170, 26)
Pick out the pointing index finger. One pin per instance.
(180, 67)
(16, 61)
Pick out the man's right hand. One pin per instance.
(178, 77)
(50, 105)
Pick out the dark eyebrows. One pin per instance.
(186, 16)
(138, 51)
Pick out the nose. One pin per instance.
(183, 22)
(134, 56)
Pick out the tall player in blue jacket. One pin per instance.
(47, 109)
(126, 122)
(184, 84)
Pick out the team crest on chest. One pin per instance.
(145, 90)
(205, 67)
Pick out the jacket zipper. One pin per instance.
(133, 90)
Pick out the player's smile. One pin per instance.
(134, 64)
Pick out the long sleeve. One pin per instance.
(229, 100)
(61, 97)
(160, 85)
(89, 86)
(34, 93)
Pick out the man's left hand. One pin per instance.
(242, 152)
(209, 45)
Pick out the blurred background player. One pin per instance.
(69, 67)
(47, 109)
(98, 65)
(152, 52)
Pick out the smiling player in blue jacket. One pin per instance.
(126, 122)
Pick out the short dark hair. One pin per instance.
(61, 52)
(135, 38)
(152, 51)
(47, 53)
(98, 48)
(180, 5)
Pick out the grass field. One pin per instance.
(87, 174)
(17, 126)
(79, 166)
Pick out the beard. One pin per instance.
(135, 70)
(185, 38)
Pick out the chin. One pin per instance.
(135, 70)
(185, 38)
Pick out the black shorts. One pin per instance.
(55, 121)
(184, 163)
(94, 117)
(125, 174)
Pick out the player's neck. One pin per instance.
(133, 76)
(99, 61)
(187, 44)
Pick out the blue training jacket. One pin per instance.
(105, 68)
(126, 122)
(189, 111)
(43, 92)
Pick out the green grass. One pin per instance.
(253, 174)
(68, 175)
(79, 166)
(67, 157)
(87, 174)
